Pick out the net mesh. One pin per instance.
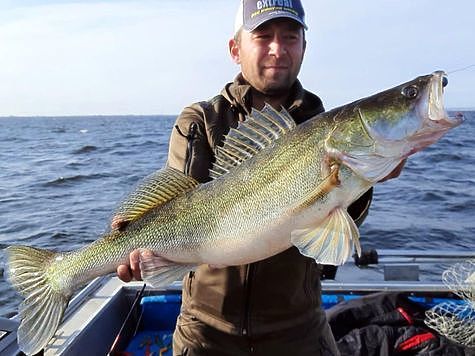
(456, 321)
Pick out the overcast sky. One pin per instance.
(155, 57)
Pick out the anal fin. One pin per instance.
(331, 241)
(158, 271)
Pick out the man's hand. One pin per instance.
(127, 272)
(395, 173)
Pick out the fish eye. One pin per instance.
(445, 81)
(410, 92)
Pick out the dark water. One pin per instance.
(61, 178)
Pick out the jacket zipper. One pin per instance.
(245, 331)
(189, 146)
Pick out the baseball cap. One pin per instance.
(251, 13)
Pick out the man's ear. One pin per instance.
(234, 51)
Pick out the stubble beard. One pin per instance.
(277, 87)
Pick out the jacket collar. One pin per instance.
(238, 93)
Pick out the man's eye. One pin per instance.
(263, 36)
(291, 36)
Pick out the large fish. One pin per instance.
(275, 185)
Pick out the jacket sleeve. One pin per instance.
(189, 149)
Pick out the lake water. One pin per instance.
(61, 178)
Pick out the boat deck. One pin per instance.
(96, 314)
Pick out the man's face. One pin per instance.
(271, 55)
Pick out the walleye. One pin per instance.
(275, 185)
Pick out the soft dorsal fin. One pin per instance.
(155, 190)
(260, 129)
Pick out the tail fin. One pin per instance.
(44, 303)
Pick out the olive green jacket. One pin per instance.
(274, 294)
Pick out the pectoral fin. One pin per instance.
(320, 192)
(331, 241)
(158, 271)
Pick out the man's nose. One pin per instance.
(277, 47)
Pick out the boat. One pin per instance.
(110, 317)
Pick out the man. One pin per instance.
(271, 307)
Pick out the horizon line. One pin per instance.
(144, 115)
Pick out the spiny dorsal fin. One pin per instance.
(260, 129)
(155, 190)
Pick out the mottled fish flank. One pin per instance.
(275, 185)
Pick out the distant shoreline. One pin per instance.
(87, 116)
(140, 115)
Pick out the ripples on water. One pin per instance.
(61, 178)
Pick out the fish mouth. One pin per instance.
(435, 119)
(435, 110)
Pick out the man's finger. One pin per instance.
(135, 264)
(124, 273)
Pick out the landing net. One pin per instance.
(456, 321)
